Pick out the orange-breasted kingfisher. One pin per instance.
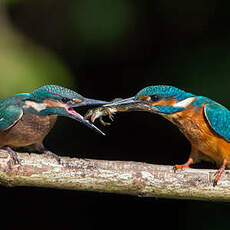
(204, 122)
(26, 118)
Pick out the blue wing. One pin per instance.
(219, 119)
(9, 115)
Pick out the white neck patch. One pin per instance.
(36, 106)
(186, 102)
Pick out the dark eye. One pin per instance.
(65, 99)
(155, 98)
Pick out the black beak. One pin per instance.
(131, 104)
(90, 102)
(77, 116)
(127, 101)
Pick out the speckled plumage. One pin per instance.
(53, 92)
(166, 91)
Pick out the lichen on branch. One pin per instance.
(122, 177)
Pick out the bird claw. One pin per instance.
(53, 155)
(184, 166)
(215, 182)
(13, 155)
(219, 172)
(181, 167)
(217, 175)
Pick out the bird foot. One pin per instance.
(181, 167)
(53, 155)
(219, 172)
(184, 166)
(13, 155)
(215, 182)
(217, 178)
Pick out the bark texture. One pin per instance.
(123, 177)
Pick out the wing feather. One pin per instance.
(9, 115)
(219, 119)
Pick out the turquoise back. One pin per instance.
(11, 110)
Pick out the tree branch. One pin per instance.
(133, 178)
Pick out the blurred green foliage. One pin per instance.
(24, 65)
(102, 21)
(10, 1)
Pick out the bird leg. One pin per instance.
(186, 165)
(51, 154)
(13, 155)
(42, 149)
(194, 157)
(220, 172)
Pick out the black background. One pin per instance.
(164, 45)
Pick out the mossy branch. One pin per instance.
(122, 177)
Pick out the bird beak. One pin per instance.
(132, 104)
(127, 101)
(86, 102)
(73, 114)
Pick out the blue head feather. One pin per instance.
(165, 91)
(53, 92)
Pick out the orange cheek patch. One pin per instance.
(169, 102)
(77, 100)
(163, 102)
(54, 103)
(144, 98)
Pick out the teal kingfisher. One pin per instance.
(204, 122)
(26, 118)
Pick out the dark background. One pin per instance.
(105, 49)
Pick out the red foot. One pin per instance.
(220, 172)
(186, 165)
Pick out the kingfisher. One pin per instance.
(26, 118)
(204, 122)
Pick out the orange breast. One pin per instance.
(30, 129)
(193, 124)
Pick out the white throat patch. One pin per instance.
(186, 102)
(36, 106)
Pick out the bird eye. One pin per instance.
(65, 99)
(155, 97)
